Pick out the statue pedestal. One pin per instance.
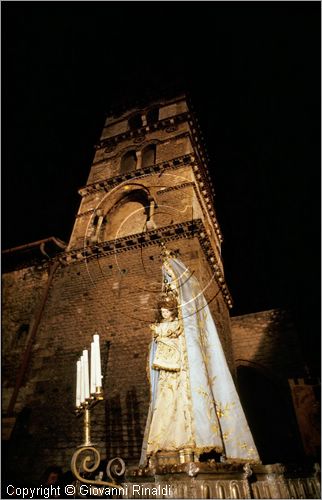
(221, 480)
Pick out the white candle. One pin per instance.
(93, 369)
(82, 398)
(78, 383)
(86, 374)
(98, 377)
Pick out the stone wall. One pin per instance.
(22, 291)
(267, 340)
(267, 355)
(114, 295)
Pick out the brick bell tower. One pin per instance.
(149, 183)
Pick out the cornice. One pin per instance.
(184, 230)
(35, 254)
(202, 175)
(199, 143)
(108, 184)
(111, 182)
(211, 212)
(141, 131)
(140, 143)
(175, 188)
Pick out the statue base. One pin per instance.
(169, 458)
(220, 480)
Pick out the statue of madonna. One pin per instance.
(194, 404)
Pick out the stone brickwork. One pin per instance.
(169, 143)
(267, 355)
(22, 291)
(116, 296)
(267, 340)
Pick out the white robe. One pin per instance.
(198, 406)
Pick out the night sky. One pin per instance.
(253, 73)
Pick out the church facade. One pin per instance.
(148, 185)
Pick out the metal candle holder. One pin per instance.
(115, 467)
(85, 409)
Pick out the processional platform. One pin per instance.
(222, 480)
(194, 480)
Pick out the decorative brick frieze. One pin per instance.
(110, 183)
(182, 230)
(92, 210)
(140, 142)
(141, 132)
(188, 159)
(174, 188)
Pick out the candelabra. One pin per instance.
(86, 459)
(85, 408)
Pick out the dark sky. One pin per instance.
(253, 71)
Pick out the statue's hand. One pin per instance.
(174, 334)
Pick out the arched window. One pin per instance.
(128, 162)
(128, 216)
(148, 156)
(135, 121)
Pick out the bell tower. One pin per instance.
(150, 175)
(148, 184)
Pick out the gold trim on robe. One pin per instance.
(194, 402)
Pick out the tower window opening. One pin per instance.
(128, 162)
(148, 156)
(135, 122)
(152, 115)
(128, 216)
